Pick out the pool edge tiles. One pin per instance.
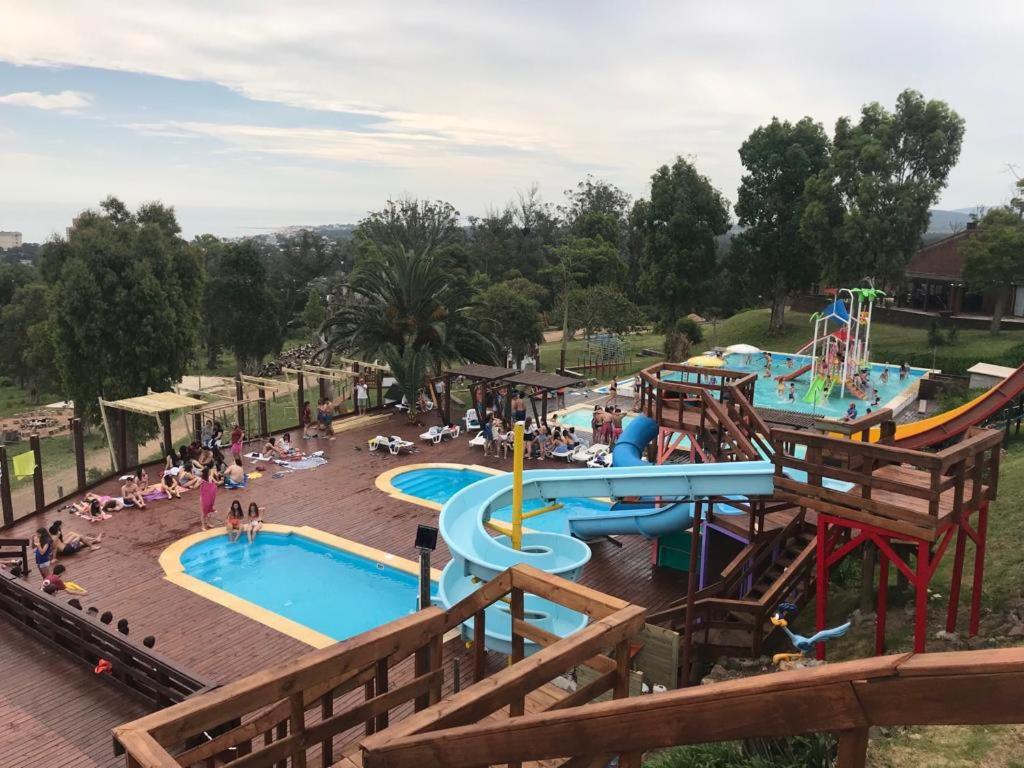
(174, 572)
(384, 481)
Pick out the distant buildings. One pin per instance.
(9, 240)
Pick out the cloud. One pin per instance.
(65, 101)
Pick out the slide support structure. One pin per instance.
(517, 487)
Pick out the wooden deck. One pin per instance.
(125, 578)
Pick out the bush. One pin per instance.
(813, 751)
(936, 338)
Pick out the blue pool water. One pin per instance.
(326, 589)
(441, 483)
(766, 393)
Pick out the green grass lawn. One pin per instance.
(550, 352)
(14, 400)
(889, 343)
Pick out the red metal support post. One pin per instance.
(883, 602)
(954, 587)
(979, 569)
(921, 597)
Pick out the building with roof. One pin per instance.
(9, 240)
(936, 284)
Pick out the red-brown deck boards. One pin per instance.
(125, 578)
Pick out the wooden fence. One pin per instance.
(965, 688)
(283, 713)
(135, 669)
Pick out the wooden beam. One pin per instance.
(37, 473)
(6, 505)
(594, 604)
(499, 689)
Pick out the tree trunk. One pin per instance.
(997, 310)
(565, 333)
(779, 297)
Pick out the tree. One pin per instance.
(295, 263)
(519, 237)
(581, 262)
(596, 209)
(513, 309)
(681, 221)
(779, 159)
(397, 301)
(994, 257)
(599, 306)
(26, 347)
(867, 210)
(418, 226)
(124, 299)
(680, 338)
(313, 313)
(247, 307)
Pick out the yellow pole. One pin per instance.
(517, 487)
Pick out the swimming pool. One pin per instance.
(766, 392)
(438, 484)
(335, 593)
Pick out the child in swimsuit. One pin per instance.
(234, 521)
(44, 551)
(255, 523)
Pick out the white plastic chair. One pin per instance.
(435, 434)
(585, 454)
(472, 419)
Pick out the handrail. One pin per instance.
(274, 701)
(966, 687)
(142, 673)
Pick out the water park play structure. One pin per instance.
(840, 346)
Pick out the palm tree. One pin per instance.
(400, 306)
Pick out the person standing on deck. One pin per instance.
(362, 396)
(207, 498)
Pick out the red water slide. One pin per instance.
(793, 374)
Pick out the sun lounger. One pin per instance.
(584, 454)
(394, 444)
(562, 451)
(601, 461)
(434, 435)
(478, 440)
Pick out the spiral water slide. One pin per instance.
(478, 556)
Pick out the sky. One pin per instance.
(249, 115)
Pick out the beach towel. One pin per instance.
(311, 462)
(254, 475)
(24, 464)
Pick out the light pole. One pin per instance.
(426, 542)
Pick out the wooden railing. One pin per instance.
(882, 418)
(965, 688)
(907, 498)
(718, 605)
(271, 709)
(137, 670)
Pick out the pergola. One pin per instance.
(542, 384)
(159, 405)
(476, 372)
(344, 376)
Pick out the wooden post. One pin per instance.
(78, 445)
(447, 397)
(165, 426)
(301, 394)
(197, 426)
(883, 601)
(380, 688)
(479, 646)
(853, 748)
(297, 723)
(691, 589)
(379, 375)
(37, 473)
(239, 396)
(544, 409)
(122, 440)
(264, 421)
(5, 489)
(327, 745)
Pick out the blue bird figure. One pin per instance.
(803, 644)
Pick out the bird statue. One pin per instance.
(803, 644)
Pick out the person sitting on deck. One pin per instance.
(54, 582)
(70, 542)
(206, 433)
(96, 506)
(255, 521)
(145, 487)
(188, 479)
(286, 444)
(235, 477)
(271, 449)
(216, 435)
(540, 448)
(131, 494)
(234, 521)
(184, 456)
(170, 484)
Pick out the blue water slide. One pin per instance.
(478, 556)
(673, 511)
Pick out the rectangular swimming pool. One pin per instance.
(336, 593)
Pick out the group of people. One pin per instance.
(540, 441)
(248, 522)
(606, 424)
(49, 544)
